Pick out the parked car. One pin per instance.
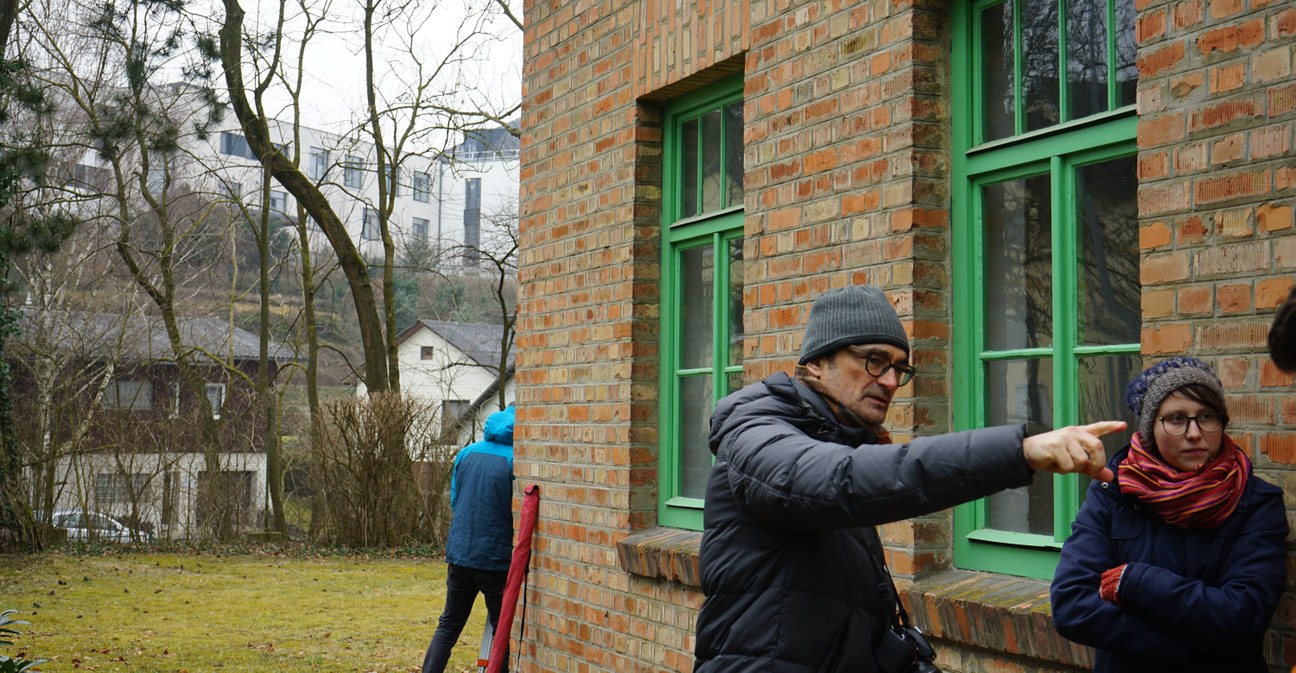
(97, 527)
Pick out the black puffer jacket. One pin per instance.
(788, 555)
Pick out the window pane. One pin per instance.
(689, 175)
(1086, 57)
(711, 135)
(215, 398)
(1107, 225)
(1021, 391)
(694, 455)
(734, 153)
(697, 292)
(1126, 68)
(735, 301)
(1039, 35)
(997, 65)
(1018, 271)
(1102, 380)
(735, 382)
(132, 395)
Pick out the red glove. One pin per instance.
(1109, 586)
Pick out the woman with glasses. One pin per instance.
(1179, 562)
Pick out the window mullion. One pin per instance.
(1065, 331)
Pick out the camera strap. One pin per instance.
(886, 584)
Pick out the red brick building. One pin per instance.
(1051, 193)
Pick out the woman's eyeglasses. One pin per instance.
(1177, 424)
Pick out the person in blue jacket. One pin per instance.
(1177, 564)
(480, 544)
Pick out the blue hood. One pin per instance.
(499, 426)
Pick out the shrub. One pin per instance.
(363, 474)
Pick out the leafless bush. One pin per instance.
(364, 476)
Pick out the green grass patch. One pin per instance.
(242, 613)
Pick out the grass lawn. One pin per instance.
(243, 613)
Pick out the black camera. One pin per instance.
(904, 649)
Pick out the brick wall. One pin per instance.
(1217, 185)
(587, 334)
(847, 180)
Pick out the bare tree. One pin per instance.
(415, 122)
(23, 157)
(104, 63)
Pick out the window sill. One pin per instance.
(986, 611)
(978, 610)
(660, 553)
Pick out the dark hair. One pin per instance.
(1282, 335)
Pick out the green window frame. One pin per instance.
(701, 282)
(1045, 240)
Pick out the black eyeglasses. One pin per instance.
(1177, 424)
(877, 365)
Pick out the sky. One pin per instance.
(333, 86)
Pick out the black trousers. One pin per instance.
(462, 586)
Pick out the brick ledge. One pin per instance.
(662, 553)
(974, 609)
(994, 612)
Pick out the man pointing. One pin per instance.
(792, 567)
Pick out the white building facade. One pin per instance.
(447, 205)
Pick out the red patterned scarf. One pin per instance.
(1201, 499)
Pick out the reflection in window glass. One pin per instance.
(689, 164)
(134, 395)
(1126, 67)
(711, 164)
(695, 457)
(697, 290)
(735, 382)
(997, 65)
(215, 398)
(1101, 382)
(734, 154)
(1040, 86)
(1018, 263)
(1021, 392)
(1086, 22)
(1107, 225)
(735, 302)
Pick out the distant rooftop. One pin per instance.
(480, 341)
(143, 338)
(488, 143)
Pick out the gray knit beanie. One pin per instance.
(855, 314)
(1149, 389)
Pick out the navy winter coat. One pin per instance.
(481, 499)
(789, 554)
(1191, 600)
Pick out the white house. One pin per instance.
(455, 368)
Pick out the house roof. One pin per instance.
(142, 338)
(479, 341)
